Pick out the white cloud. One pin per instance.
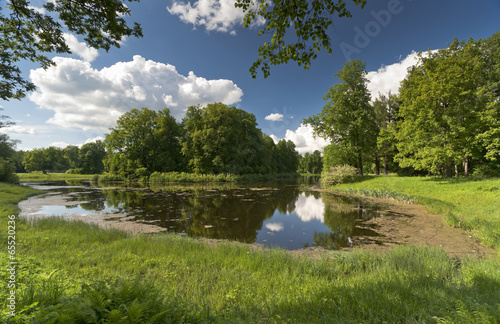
(274, 117)
(388, 78)
(16, 129)
(303, 139)
(92, 99)
(214, 15)
(93, 140)
(79, 48)
(310, 208)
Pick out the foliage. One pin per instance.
(45, 159)
(386, 108)
(338, 175)
(27, 33)
(311, 163)
(308, 21)
(348, 119)
(445, 101)
(91, 157)
(144, 139)
(221, 139)
(7, 171)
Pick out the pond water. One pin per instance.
(286, 215)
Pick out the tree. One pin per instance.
(27, 33)
(7, 152)
(348, 119)
(286, 157)
(441, 112)
(72, 155)
(91, 156)
(221, 139)
(311, 163)
(144, 139)
(308, 20)
(386, 109)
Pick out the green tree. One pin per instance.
(7, 152)
(28, 34)
(144, 139)
(386, 108)
(72, 155)
(348, 119)
(91, 156)
(311, 163)
(286, 158)
(222, 139)
(308, 21)
(441, 112)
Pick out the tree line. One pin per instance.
(209, 140)
(444, 121)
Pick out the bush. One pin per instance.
(339, 174)
(75, 171)
(7, 171)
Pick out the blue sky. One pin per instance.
(192, 53)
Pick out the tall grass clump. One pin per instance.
(338, 175)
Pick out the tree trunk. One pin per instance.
(447, 171)
(466, 166)
(386, 167)
(377, 165)
(456, 171)
(360, 165)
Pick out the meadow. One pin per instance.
(71, 272)
(470, 203)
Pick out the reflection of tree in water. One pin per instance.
(342, 214)
(223, 212)
(236, 214)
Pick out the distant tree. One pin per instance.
(348, 119)
(72, 155)
(144, 139)
(28, 33)
(222, 139)
(35, 160)
(286, 157)
(311, 163)
(309, 22)
(91, 156)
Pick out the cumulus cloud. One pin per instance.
(303, 139)
(214, 15)
(274, 117)
(81, 49)
(18, 130)
(92, 99)
(388, 78)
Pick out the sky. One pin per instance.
(198, 52)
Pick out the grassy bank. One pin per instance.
(72, 272)
(169, 177)
(52, 176)
(470, 203)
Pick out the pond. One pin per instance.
(287, 215)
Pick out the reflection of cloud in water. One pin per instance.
(275, 227)
(310, 208)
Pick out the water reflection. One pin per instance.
(289, 216)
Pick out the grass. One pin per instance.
(469, 203)
(72, 272)
(52, 176)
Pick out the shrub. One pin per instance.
(7, 171)
(339, 174)
(75, 171)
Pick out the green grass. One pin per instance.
(470, 203)
(52, 176)
(71, 272)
